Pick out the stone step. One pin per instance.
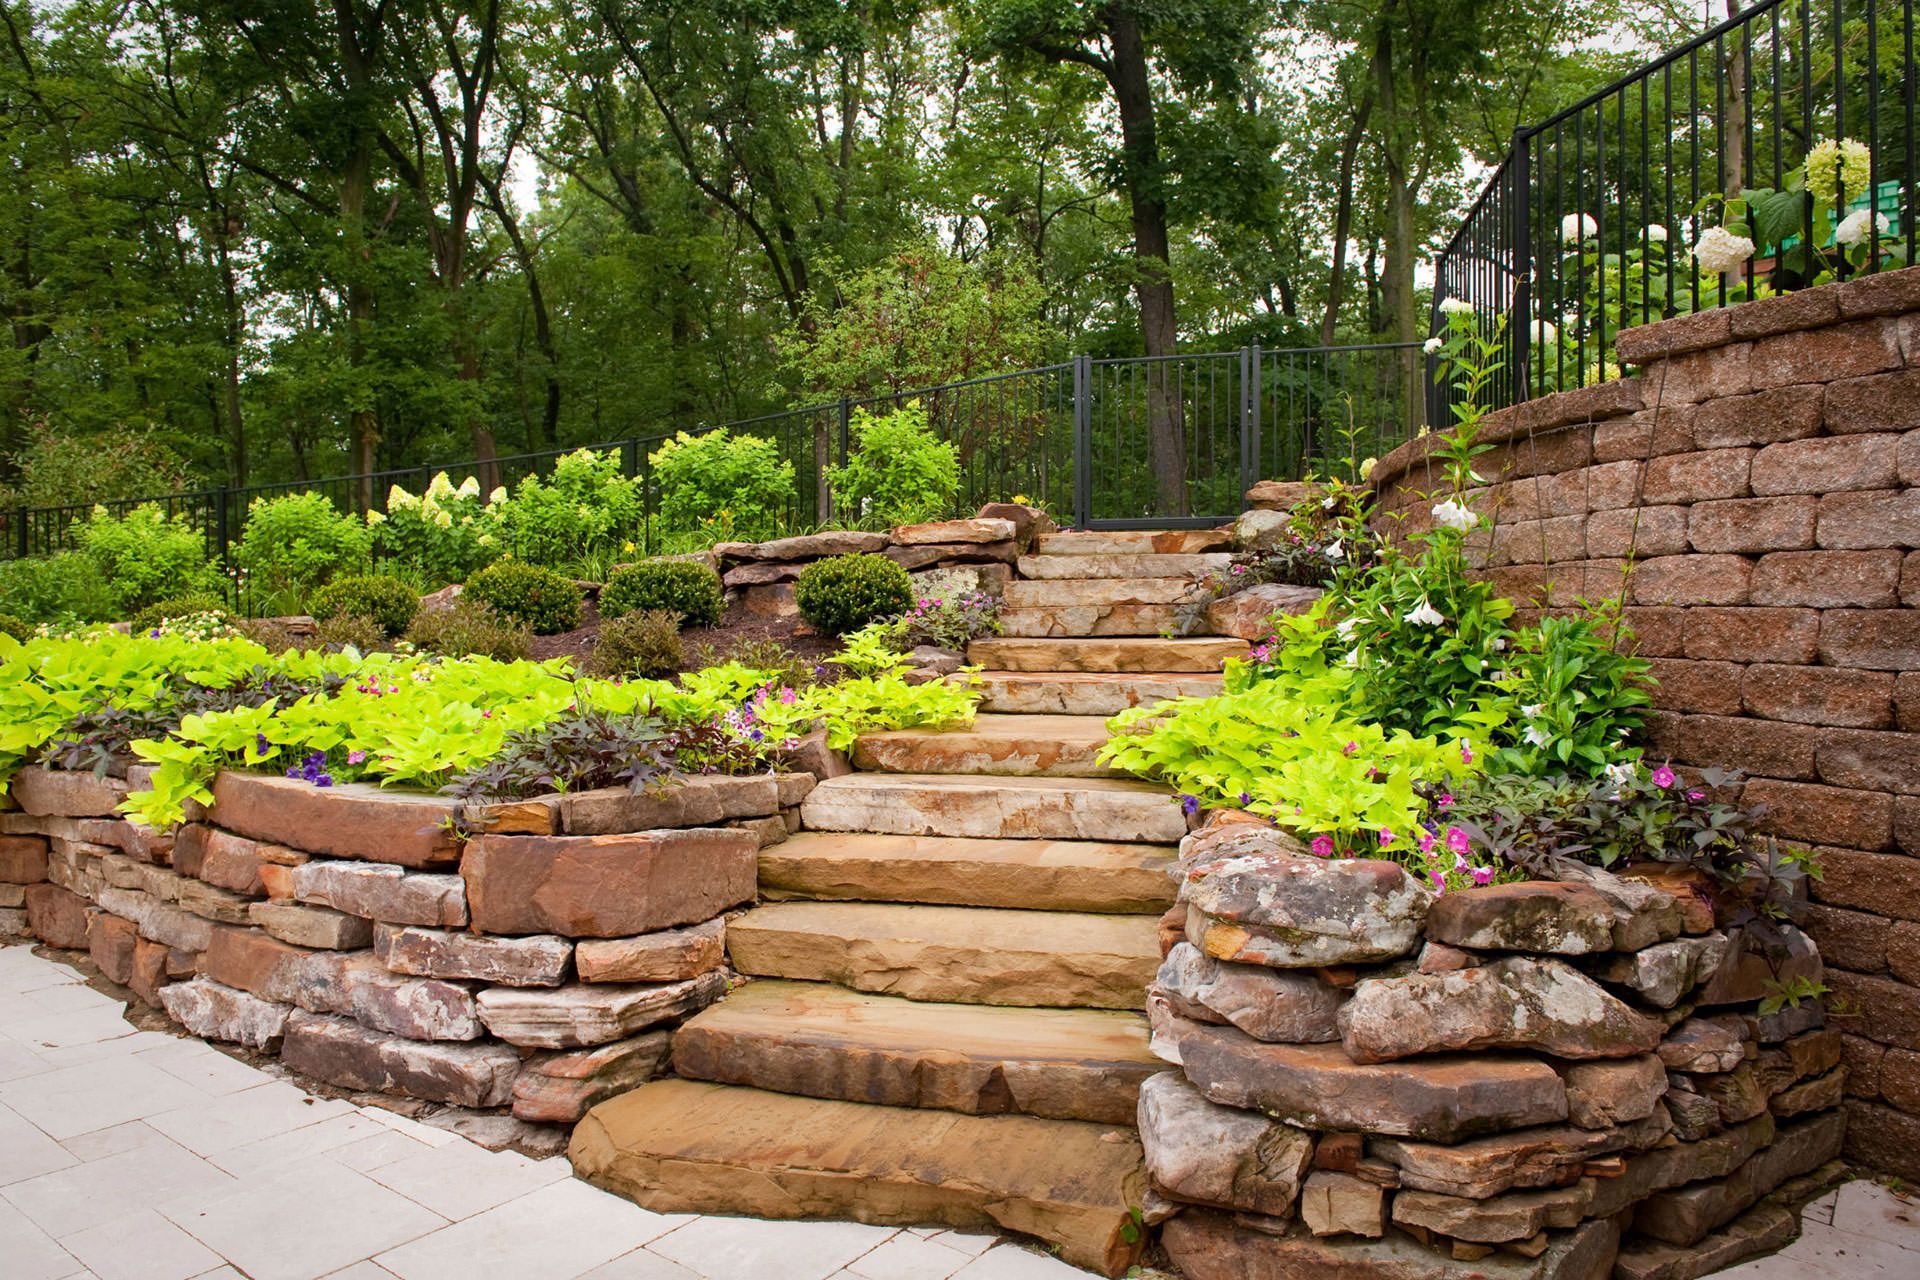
(1155, 655)
(971, 955)
(1085, 693)
(1090, 620)
(934, 804)
(683, 1146)
(1125, 542)
(1043, 875)
(1030, 746)
(1057, 593)
(1094, 568)
(824, 1041)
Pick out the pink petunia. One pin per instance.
(1457, 840)
(1483, 875)
(1426, 842)
(1663, 777)
(1323, 846)
(1386, 836)
(1466, 754)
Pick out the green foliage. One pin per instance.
(644, 642)
(585, 507)
(442, 535)
(844, 593)
(56, 588)
(59, 470)
(296, 543)
(353, 631)
(387, 602)
(950, 622)
(143, 556)
(717, 475)
(12, 626)
(900, 472)
(545, 601)
(679, 586)
(468, 628)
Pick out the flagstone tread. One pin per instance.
(933, 804)
(1016, 745)
(1134, 542)
(682, 1146)
(1136, 654)
(969, 955)
(1099, 619)
(824, 1041)
(1086, 693)
(1048, 875)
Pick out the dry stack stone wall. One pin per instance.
(1753, 492)
(536, 967)
(1548, 1081)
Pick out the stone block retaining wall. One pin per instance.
(538, 966)
(1544, 1080)
(1755, 493)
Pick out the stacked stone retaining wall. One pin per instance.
(536, 968)
(1752, 495)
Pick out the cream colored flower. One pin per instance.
(1454, 515)
(1455, 307)
(1425, 615)
(1432, 345)
(1853, 228)
(374, 517)
(399, 499)
(498, 496)
(469, 488)
(1656, 234)
(443, 518)
(1832, 165)
(1719, 251)
(440, 486)
(1576, 227)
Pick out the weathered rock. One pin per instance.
(1786, 1023)
(1438, 957)
(217, 1012)
(538, 816)
(569, 1017)
(1002, 554)
(153, 966)
(1811, 1053)
(808, 546)
(23, 859)
(1277, 495)
(355, 820)
(1021, 746)
(379, 891)
(352, 983)
(1515, 1003)
(1762, 1229)
(1336, 1204)
(1707, 1044)
(1692, 889)
(1818, 1094)
(158, 921)
(1318, 1087)
(1603, 1094)
(1294, 913)
(540, 961)
(1684, 1215)
(13, 922)
(1524, 1158)
(1746, 974)
(235, 862)
(14, 898)
(1108, 809)
(559, 1088)
(606, 886)
(1663, 973)
(344, 1053)
(110, 942)
(668, 956)
(66, 793)
(210, 902)
(56, 916)
(1109, 654)
(1204, 1153)
(1516, 1215)
(1738, 1093)
(1268, 1004)
(945, 531)
(1529, 915)
(316, 927)
(1694, 1117)
(1249, 614)
(1208, 1246)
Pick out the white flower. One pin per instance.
(1853, 228)
(443, 519)
(1620, 774)
(1335, 551)
(1576, 227)
(485, 539)
(498, 495)
(1656, 234)
(399, 499)
(1344, 628)
(1425, 615)
(1353, 657)
(1534, 710)
(469, 488)
(1545, 332)
(374, 517)
(1457, 516)
(440, 486)
(1499, 644)
(1456, 307)
(1719, 251)
(1328, 504)
(1366, 467)
(1536, 736)
(1432, 345)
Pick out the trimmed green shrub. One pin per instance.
(544, 601)
(845, 593)
(714, 474)
(389, 602)
(298, 542)
(144, 556)
(12, 626)
(902, 472)
(468, 628)
(678, 586)
(644, 643)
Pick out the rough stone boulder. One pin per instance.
(1261, 530)
(667, 956)
(977, 529)
(574, 1016)
(1300, 913)
(1607, 1093)
(355, 820)
(1247, 613)
(1487, 1166)
(538, 961)
(1211, 1246)
(1706, 1044)
(1204, 1153)
(559, 1088)
(216, 1012)
(1516, 1003)
(1748, 973)
(610, 886)
(1666, 971)
(1533, 915)
(344, 1053)
(1268, 1004)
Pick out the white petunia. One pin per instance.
(1335, 551)
(1853, 228)
(1425, 615)
(1457, 516)
(1328, 504)
(1456, 307)
(1537, 737)
(1576, 227)
(1534, 710)
(1719, 251)
(1344, 628)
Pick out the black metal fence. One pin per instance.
(1157, 442)
(1590, 224)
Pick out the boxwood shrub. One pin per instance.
(540, 599)
(388, 602)
(684, 587)
(845, 593)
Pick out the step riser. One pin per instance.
(1112, 879)
(1036, 695)
(983, 754)
(1134, 542)
(1068, 621)
(1096, 567)
(992, 814)
(1134, 656)
(1060, 592)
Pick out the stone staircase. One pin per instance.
(942, 1025)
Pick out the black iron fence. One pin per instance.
(1155, 442)
(1604, 216)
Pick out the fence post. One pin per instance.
(1082, 442)
(1249, 421)
(21, 542)
(1520, 344)
(629, 458)
(846, 428)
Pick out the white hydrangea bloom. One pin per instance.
(1455, 307)
(1656, 234)
(1853, 228)
(498, 496)
(1545, 332)
(1576, 227)
(1432, 345)
(1719, 251)
(469, 488)
(440, 486)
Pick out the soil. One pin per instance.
(737, 628)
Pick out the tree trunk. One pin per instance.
(1133, 94)
(1733, 129)
(1397, 272)
(235, 424)
(1343, 218)
(356, 180)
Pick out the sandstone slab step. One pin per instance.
(1085, 693)
(824, 1041)
(1063, 620)
(1108, 653)
(1021, 746)
(969, 955)
(1047, 875)
(1134, 542)
(680, 1146)
(1209, 1246)
(929, 804)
